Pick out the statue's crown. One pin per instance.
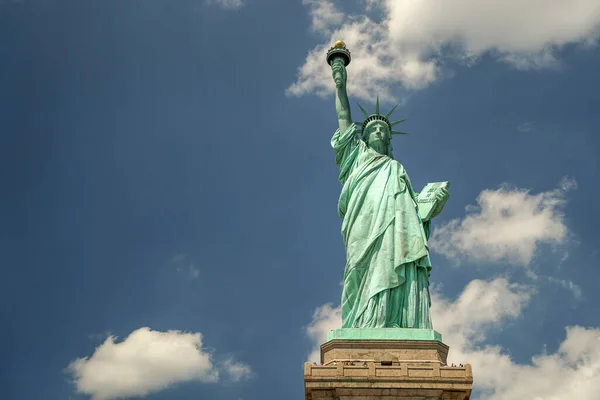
(379, 117)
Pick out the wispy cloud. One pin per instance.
(526, 127)
(237, 371)
(413, 40)
(507, 224)
(194, 272)
(569, 285)
(227, 4)
(147, 361)
(183, 265)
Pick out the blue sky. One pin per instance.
(168, 219)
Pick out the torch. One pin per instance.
(338, 53)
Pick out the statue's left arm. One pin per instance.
(427, 228)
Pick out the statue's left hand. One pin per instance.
(441, 198)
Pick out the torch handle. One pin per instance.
(338, 56)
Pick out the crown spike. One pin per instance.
(397, 122)
(365, 113)
(391, 111)
(399, 133)
(377, 106)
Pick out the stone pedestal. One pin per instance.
(384, 368)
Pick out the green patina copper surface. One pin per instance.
(386, 278)
(384, 334)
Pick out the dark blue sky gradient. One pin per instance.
(134, 131)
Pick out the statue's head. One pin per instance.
(377, 135)
(377, 130)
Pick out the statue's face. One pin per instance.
(378, 136)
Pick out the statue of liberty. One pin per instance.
(386, 278)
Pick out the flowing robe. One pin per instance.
(386, 278)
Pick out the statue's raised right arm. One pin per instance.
(342, 105)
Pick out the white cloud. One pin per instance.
(324, 15)
(507, 224)
(325, 318)
(237, 371)
(145, 362)
(481, 305)
(414, 38)
(573, 372)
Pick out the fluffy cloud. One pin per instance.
(573, 372)
(145, 362)
(324, 15)
(507, 224)
(414, 38)
(325, 318)
(481, 304)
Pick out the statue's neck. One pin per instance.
(380, 148)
